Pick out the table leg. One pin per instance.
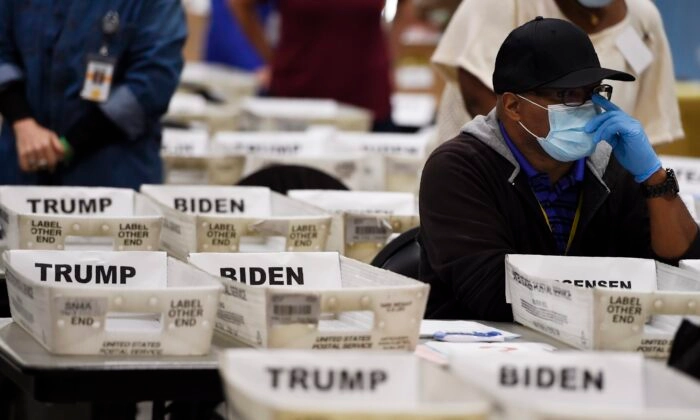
(158, 412)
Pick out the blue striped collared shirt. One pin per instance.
(559, 201)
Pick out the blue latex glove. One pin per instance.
(626, 135)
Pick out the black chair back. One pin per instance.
(402, 255)
(282, 178)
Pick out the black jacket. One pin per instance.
(476, 206)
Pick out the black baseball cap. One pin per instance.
(549, 53)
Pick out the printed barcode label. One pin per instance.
(294, 309)
(287, 310)
(366, 229)
(230, 317)
(370, 230)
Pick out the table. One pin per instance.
(67, 379)
(529, 335)
(60, 379)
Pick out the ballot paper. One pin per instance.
(446, 349)
(462, 331)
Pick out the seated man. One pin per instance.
(554, 169)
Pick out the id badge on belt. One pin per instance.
(100, 67)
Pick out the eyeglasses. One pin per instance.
(578, 96)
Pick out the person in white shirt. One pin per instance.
(626, 34)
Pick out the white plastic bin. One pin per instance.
(192, 108)
(232, 83)
(78, 218)
(293, 114)
(315, 301)
(188, 159)
(621, 304)
(363, 221)
(233, 219)
(286, 384)
(401, 157)
(112, 303)
(310, 148)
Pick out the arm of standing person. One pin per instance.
(478, 98)
(465, 55)
(247, 17)
(464, 235)
(152, 65)
(657, 103)
(674, 233)
(37, 147)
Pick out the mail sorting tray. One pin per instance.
(292, 114)
(189, 160)
(232, 219)
(131, 303)
(78, 217)
(345, 385)
(622, 304)
(395, 161)
(579, 385)
(228, 82)
(311, 148)
(341, 304)
(188, 108)
(363, 221)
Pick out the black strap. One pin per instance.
(92, 132)
(13, 102)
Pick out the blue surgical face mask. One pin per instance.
(566, 141)
(595, 3)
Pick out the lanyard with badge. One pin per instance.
(100, 66)
(574, 224)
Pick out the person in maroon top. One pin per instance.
(333, 49)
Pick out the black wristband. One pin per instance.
(667, 188)
(92, 132)
(13, 102)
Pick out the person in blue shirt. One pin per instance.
(83, 86)
(226, 43)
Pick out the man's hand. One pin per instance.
(37, 147)
(673, 231)
(626, 135)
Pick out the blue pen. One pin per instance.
(468, 336)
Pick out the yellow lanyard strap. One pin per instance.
(574, 225)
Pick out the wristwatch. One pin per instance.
(667, 188)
